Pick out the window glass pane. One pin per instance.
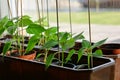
(104, 16)
(3, 8)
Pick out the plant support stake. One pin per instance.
(57, 15)
(47, 13)
(9, 8)
(90, 35)
(38, 9)
(70, 17)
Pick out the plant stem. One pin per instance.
(90, 57)
(62, 57)
(46, 53)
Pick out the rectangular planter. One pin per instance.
(12, 68)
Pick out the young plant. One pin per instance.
(49, 57)
(67, 41)
(87, 49)
(17, 26)
(46, 37)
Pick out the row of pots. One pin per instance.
(107, 48)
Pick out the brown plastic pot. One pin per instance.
(110, 48)
(30, 56)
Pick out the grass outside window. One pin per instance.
(107, 18)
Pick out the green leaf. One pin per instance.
(32, 42)
(41, 20)
(9, 24)
(6, 47)
(24, 22)
(49, 60)
(80, 54)
(86, 44)
(35, 29)
(64, 37)
(69, 55)
(26, 17)
(98, 53)
(79, 36)
(38, 56)
(66, 41)
(68, 44)
(51, 31)
(99, 43)
(49, 44)
(52, 37)
(3, 21)
(12, 29)
(2, 31)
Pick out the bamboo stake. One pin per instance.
(70, 18)
(89, 19)
(57, 15)
(22, 24)
(42, 8)
(18, 33)
(90, 33)
(47, 13)
(16, 4)
(38, 10)
(9, 9)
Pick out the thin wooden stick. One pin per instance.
(16, 4)
(21, 8)
(22, 24)
(57, 15)
(38, 9)
(42, 8)
(89, 19)
(47, 13)
(17, 11)
(90, 33)
(9, 9)
(70, 17)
